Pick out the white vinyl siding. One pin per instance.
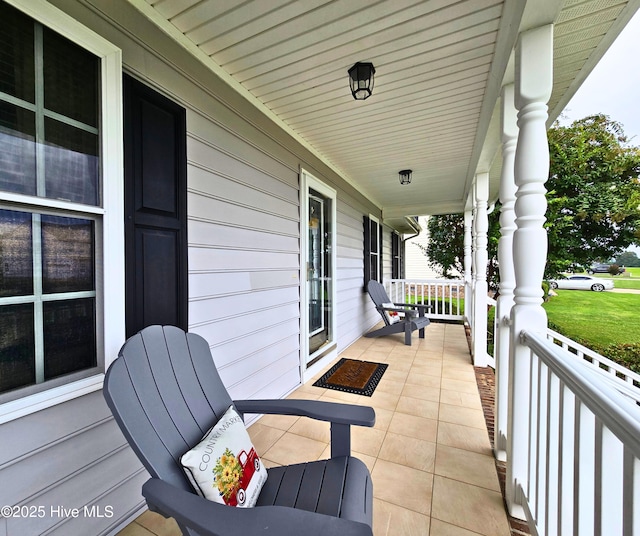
(243, 232)
(355, 310)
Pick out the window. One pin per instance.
(52, 214)
(47, 297)
(396, 256)
(372, 250)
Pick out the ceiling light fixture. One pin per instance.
(361, 80)
(405, 176)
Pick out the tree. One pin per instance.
(593, 193)
(593, 196)
(446, 244)
(628, 258)
(445, 249)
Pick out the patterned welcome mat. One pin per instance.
(353, 376)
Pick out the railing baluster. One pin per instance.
(586, 472)
(576, 468)
(611, 469)
(597, 478)
(534, 393)
(566, 490)
(554, 427)
(541, 436)
(631, 500)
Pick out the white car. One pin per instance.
(581, 282)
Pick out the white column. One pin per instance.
(534, 76)
(468, 299)
(480, 273)
(507, 275)
(474, 246)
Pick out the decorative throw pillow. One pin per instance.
(224, 466)
(392, 316)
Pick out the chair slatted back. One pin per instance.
(378, 296)
(165, 393)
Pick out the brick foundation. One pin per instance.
(485, 379)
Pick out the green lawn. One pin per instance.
(626, 282)
(601, 318)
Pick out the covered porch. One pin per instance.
(429, 453)
(464, 93)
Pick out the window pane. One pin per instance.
(17, 65)
(374, 237)
(70, 79)
(16, 260)
(71, 163)
(17, 149)
(69, 336)
(17, 347)
(67, 254)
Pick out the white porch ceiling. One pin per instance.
(439, 66)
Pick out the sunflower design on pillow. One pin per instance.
(228, 473)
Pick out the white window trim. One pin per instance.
(307, 180)
(110, 261)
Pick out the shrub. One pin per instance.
(627, 355)
(614, 269)
(545, 290)
(491, 318)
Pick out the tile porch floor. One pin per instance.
(429, 453)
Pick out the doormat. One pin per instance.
(353, 376)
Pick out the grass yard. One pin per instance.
(599, 318)
(635, 272)
(626, 282)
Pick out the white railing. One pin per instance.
(445, 296)
(584, 448)
(623, 379)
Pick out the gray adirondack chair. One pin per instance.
(165, 393)
(413, 314)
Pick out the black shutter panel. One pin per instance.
(156, 209)
(367, 251)
(380, 253)
(394, 255)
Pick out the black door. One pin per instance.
(155, 208)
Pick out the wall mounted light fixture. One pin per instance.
(405, 176)
(361, 80)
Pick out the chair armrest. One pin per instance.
(208, 518)
(408, 313)
(394, 308)
(416, 306)
(323, 411)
